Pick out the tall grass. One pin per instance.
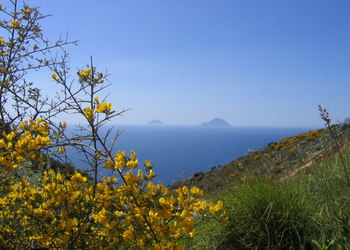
(270, 216)
(329, 192)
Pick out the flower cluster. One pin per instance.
(88, 113)
(2, 47)
(64, 211)
(90, 76)
(102, 107)
(17, 146)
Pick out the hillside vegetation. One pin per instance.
(292, 194)
(277, 160)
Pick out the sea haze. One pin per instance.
(181, 151)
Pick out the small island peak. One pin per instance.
(216, 122)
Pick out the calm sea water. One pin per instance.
(177, 151)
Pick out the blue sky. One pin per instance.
(184, 62)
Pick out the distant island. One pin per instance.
(155, 122)
(217, 122)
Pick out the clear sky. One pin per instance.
(184, 62)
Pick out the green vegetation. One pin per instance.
(273, 162)
(307, 208)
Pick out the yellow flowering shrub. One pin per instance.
(311, 135)
(66, 211)
(43, 208)
(17, 146)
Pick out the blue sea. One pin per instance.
(180, 151)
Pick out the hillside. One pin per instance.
(275, 161)
(292, 194)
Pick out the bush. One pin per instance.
(61, 209)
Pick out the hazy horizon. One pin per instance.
(147, 124)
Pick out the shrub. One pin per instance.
(64, 210)
(311, 135)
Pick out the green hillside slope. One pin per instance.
(276, 160)
(281, 198)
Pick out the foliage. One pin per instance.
(306, 211)
(273, 162)
(270, 216)
(329, 193)
(54, 209)
(325, 117)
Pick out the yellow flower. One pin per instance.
(108, 164)
(200, 206)
(54, 76)
(109, 106)
(27, 11)
(133, 154)
(148, 164)
(81, 73)
(14, 24)
(128, 235)
(187, 225)
(215, 208)
(196, 191)
(118, 213)
(88, 113)
(119, 160)
(84, 73)
(140, 174)
(77, 177)
(10, 136)
(103, 107)
(151, 175)
(133, 163)
(99, 78)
